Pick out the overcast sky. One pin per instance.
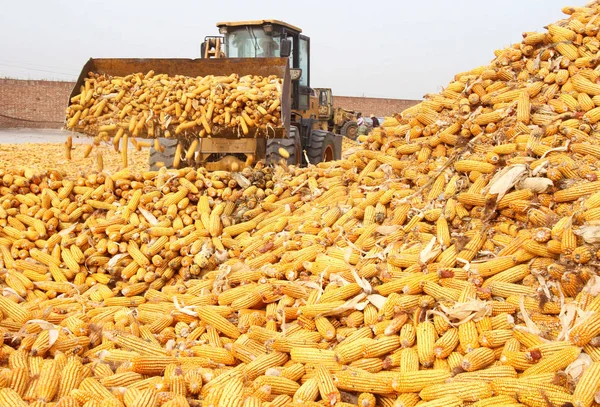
(396, 48)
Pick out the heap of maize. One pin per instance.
(452, 261)
(349, 145)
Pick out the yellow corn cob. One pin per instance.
(468, 336)
(416, 381)
(408, 360)
(584, 332)
(582, 84)
(466, 391)
(314, 356)
(554, 362)
(147, 397)
(446, 343)
(307, 392)
(121, 379)
(354, 379)
(367, 400)
(14, 311)
(232, 393)
(47, 384)
(495, 338)
(150, 364)
(511, 275)
(496, 401)
(279, 385)
(573, 193)
(95, 389)
(470, 165)
(426, 341)
(137, 255)
(381, 346)
(584, 393)
(538, 398)
(326, 385)
(523, 108)
(488, 374)
(193, 381)
(478, 359)
(10, 398)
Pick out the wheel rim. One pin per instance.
(351, 132)
(328, 154)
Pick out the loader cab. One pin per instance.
(325, 103)
(268, 39)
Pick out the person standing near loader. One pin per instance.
(375, 121)
(362, 127)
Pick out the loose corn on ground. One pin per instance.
(44, 157)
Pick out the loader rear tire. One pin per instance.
(350, 130)
(166, 157)
(291, 144)
(322, 147)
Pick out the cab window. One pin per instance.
(252, 42)
(323, 98)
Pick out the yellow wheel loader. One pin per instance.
(263, 47)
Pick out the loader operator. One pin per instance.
(268, 47)
(246, 44)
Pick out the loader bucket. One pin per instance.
(200, 67)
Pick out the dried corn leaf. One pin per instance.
(506, 179)
(537, 185)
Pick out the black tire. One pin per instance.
(322, 147)
(291, 144)
(350, 130)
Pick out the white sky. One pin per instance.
(395, 48)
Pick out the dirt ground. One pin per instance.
(44, 150)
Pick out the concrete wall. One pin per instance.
(33, 104)
(377, 106)
(41, 104)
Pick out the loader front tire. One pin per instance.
(350, 130)
(291, 144)
(322, 147)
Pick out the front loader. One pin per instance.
(336, 119)
(261, 48)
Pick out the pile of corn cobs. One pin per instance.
(452, 261)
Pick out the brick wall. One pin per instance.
(33, 103)
(377, 106)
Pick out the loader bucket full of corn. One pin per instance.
(450, 261)
(184, 98)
